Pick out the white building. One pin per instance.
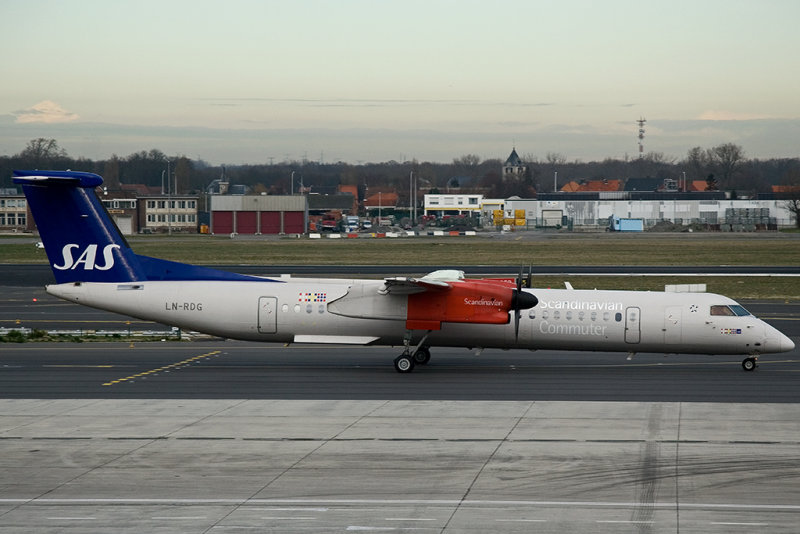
(177, 213)
(441, 205)
(14, 212)
(737, 214)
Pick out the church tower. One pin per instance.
(514, 168)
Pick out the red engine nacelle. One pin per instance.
(468, 301)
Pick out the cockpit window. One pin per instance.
(729, 311)
(739, 310)
(722, 310)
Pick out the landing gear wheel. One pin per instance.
(404, 363)
(749, 364)
(422, 356)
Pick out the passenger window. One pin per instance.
(618, 317)
(722, 311)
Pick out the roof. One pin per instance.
(644, 184)
(352, 189)
(697, 185)
(513, 158)
(785, 188)
(593, 185)
(141, 190)
(571, 187)
(386, 200)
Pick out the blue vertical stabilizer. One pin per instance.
(81, 241)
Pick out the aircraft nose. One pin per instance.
(777, 341)
(786, 344)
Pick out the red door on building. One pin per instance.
(246, 222)
(222, 222)
(270, 222)
(293, 222)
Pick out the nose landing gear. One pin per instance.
(750, 364)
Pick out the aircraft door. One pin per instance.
(633, 331)
(672, 324)
(267, 315)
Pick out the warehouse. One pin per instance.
(710, 209)
(258, 214)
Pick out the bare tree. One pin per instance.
(42, 153)
(728, 158)
(697, 162)
(183, 171)
(790, 193)
(554, 158)
(467, 160)
(793, 205)
(111, 173)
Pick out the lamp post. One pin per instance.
(169, 201)
(411, 196)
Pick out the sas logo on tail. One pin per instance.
(88, 258)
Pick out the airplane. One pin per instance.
(94, 266)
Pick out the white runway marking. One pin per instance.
(741, 524)
(399, 502)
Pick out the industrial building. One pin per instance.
(591, 211)
(258, 214)
(710, 209)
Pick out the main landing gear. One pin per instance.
(420, 355)
(405, 362)
(750, 364)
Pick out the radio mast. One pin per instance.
(641, 122)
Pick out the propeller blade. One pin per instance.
(529, 280)
(520, 300)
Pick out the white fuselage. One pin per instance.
(296, 310)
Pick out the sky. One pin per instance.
(369, 81)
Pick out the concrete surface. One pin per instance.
(346, 466)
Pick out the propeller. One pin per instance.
(521, 300)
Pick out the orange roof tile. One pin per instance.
(593, 185)
(785, 188)
(384, 199)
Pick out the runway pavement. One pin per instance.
(240, 370)
(346, 466)
(41, 274)
(221, 436)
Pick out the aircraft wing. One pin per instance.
(427, 302)
(409, 286)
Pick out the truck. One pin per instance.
(624, 224)
(329, 225)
